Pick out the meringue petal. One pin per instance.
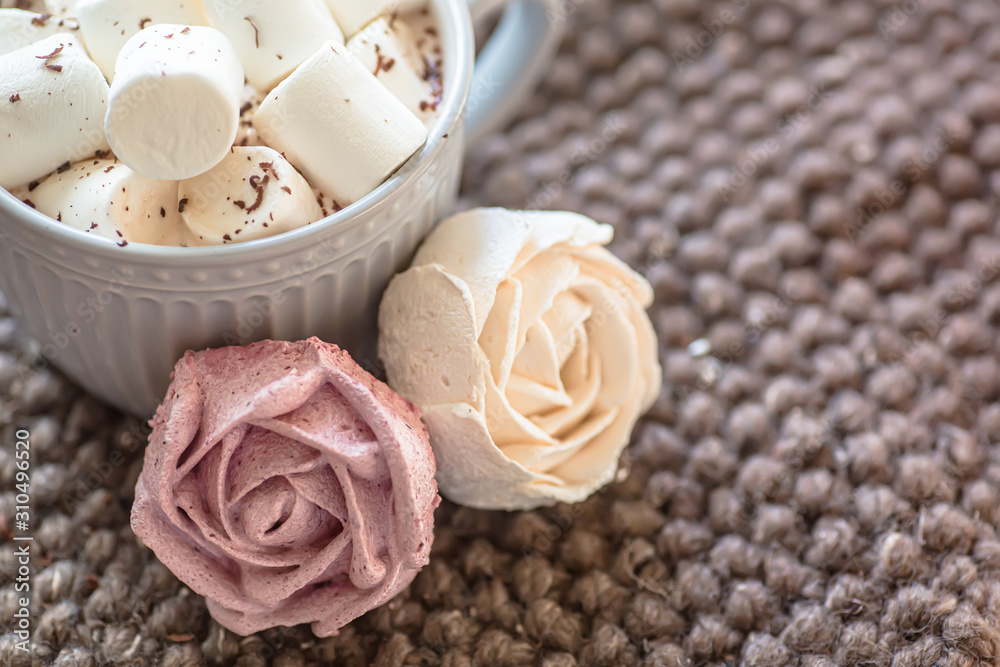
(322, 488)
(597, 462)
(478, 474)
(605, 330)
(269, 585)
(538, 361)
(551, 229)
(328, 417)
(576, 368)
(180, 416)
(421, 365)
(273, 515)
(598, 263)
(397, 426)
(203, 527)
(498, 339)
(274, 389)
(582, 397)
(647, 347)
(335, 604)
(564, 319)
(212, 478)
(506, 424)
(638, 293)
(261, 455)
(540, 458)
(548, 276)
(206, 571)
(529, 398)
(367, 565)
(191, 505)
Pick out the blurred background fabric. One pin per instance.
(811, 187)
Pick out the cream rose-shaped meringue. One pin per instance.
(287, 486)
(527, 346)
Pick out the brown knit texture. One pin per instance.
(813, 194)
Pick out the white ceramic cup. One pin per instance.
(115, 320)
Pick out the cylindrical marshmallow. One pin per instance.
(107, 25)
(353, 15)
(52, 104)
(106, 198)
(342, 128)
(388, 48)
(174, 107)
(273, 38)
(252, 194)
(19, 28)
(60, 7)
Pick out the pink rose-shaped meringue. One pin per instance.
(287, 486)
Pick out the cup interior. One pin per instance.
(458, 44)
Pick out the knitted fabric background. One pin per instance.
(811, 186)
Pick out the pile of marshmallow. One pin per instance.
(208, 122)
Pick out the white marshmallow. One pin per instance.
(108, 24)
(174, 107)
(106, 198)
(19, 28)
(273, 38)
(252, 194)
(61, 7)
(388, 48)
(353, 15)
(52, 104)
(340, 126)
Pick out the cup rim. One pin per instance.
(457, 42)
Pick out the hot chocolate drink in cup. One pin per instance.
(211, 122)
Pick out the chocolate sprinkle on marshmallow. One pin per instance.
(52, 55)
(245, 170)
(292, 28)
(44, 131)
